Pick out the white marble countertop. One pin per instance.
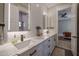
(12, 50)
(8, 49)
(36, 40)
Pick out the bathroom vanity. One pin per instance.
(38, 46)
(18, 25)
(33, 46)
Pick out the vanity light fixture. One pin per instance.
(44, 13)
(9, 16)
(37, 5)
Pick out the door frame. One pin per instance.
(73, 8)
(61, 7)
(74, 33)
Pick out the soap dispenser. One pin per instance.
(38, 31)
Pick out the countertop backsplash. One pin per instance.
(26, 34)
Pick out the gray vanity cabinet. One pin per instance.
(45, 48)
(31, 52)
(52, 44)
(49, 45)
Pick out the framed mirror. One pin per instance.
(19, 17)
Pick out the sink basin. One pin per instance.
(23, 44)
(27, 42)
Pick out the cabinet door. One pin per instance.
(52, 44)
(46, 48)
(43, 49)
(35, 51)
(40, 50)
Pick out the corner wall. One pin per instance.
(36, 17)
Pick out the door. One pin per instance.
(74, 29)
(78, 29)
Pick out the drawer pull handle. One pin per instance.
(33, 53)
(49, 46)
(48, 40)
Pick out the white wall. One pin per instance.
(74, 29)
(5, 21)
(52, 18)
(35, 17)
(14, 18)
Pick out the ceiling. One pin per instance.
(40, 4)
(48, 5)
(22, 4)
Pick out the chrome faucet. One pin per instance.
(22, 38)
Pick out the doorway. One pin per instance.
(64, 28)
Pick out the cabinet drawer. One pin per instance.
(30, 52)
(52, 44)
(43, 49)
(33, 53)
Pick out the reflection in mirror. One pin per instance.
(19, 17)
(44, 19)
(23, 21)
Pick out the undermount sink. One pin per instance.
(27, 42)
(23, 44)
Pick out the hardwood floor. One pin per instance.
(63, 49)
(64, 43)
(58, 52)
(61, 52)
